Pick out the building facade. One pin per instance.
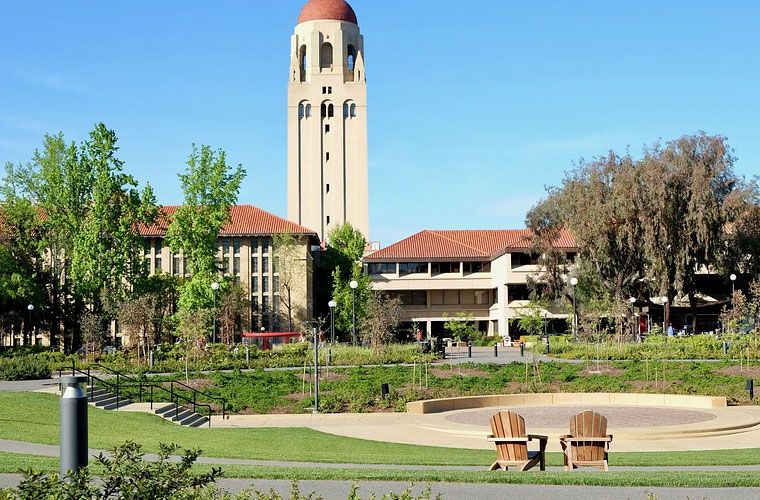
(438, 274)
(327, 120)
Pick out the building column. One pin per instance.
(429, 327)
(502, 310)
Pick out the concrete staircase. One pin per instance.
(101, 398)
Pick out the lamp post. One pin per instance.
(632, 300)
(332, 304)
(733, 288)
(574, 283)
(30, 307)
(214, 287)
(354, 285)
(664, 301)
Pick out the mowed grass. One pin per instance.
(33, 417)
(12, 463)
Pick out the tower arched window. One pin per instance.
(353, 111)
(326, 56)
(351, 59)
(302, 62)
(345, 110)
(301, 110)
(324, 110)
(330, 111)
(308, 111)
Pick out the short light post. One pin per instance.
(30, 307)
(632, 300)
(316, 371)
(332, 304)
(73, 430)
(214, 287)
(733, 289)
(664, 301)
(574, 283)
(354, 285)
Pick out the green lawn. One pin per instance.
(33, 417)
(12, 463)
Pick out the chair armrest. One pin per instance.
(587, 439)
(538, 436)
(507, 439)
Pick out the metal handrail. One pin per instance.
(174, 398)
(205, 394)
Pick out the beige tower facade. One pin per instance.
(327, 120)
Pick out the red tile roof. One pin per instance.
(247, 220)
(460, 244)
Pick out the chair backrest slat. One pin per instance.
(509, 424)
(588, 424)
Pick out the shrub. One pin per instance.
(30, 367)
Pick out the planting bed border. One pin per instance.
(517, 400)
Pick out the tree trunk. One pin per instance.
(693, 306)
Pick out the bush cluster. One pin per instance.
(28, 367)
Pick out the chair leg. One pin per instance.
(542, 462)
(495, 466)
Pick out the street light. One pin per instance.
(664, 301)
(214, 287)
(733, 287)
(574, 283)
(632, 300)
(354, 285)
(31, 308)
(332, 304)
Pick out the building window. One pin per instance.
(324, 90)
(330, 111)
(353, 111)
(265, 284)
(413, 267)
(445, 267)
(525, 259)
(351, 57)
(328, 219)
(382, 268)
(413, 297)
(255, 284)
(226, 265)
(327, 156)
(265, 305)
(308, 111)
(345, 110)
(518, 292)
(327, 190)
(175, 265)
(276, 264)
(327, 128)
(265, 265)
(477, 267)
(264, 246)
(236, 266)
(236, 247)
(255, 304)
(159, 263)
(326, 56)
(301, 111)
(226, 247)
(254, 265)
(275, 284)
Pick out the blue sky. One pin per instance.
(473, 106)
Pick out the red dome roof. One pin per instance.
(337, 10)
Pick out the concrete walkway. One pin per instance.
(339, 490)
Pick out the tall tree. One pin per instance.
(383, 314)
(293, 271)
(350, 301)
(211, 188)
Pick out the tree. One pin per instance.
(461, 327)
(210, 189)
(382, 316)
(343, 295)
(94, 335)
(532, 319)
(684, 189)
(234, 307)
(546, 224)
(136, 315)
(293, 271)
(345, 247)
(192, 327)
(163, 290)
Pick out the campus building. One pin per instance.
(327, 120)
(438, 274)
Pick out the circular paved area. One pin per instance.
(558, 417)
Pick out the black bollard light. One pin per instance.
(751, 389)
(522, 349)
(469, 349)
(725, 348)
(384, 390)
(73, 453)
(496, 350)
(546, 345)
(150, 359)
(247, 355)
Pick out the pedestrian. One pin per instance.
(671, 331)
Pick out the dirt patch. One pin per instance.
(651, 387)
(465, 372)
(334, 377)
(601, 370)
(736, 371)
(199, 384)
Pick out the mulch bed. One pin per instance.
(465, 372)
(601, 370)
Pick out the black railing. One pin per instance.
(142, 383)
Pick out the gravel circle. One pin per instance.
(558, 417)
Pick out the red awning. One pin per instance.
(263, 335)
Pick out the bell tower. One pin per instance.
(327, 120)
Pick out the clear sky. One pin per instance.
(474, 106)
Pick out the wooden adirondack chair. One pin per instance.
(588, 442)
(512, 443)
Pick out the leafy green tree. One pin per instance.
(461, 327)
(210, 189)
(343, 295)
(192, 328)
(532, 319)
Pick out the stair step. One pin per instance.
(192, 419)
(181, 415)
(122, 404)
(164, 409)
(198, 423)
